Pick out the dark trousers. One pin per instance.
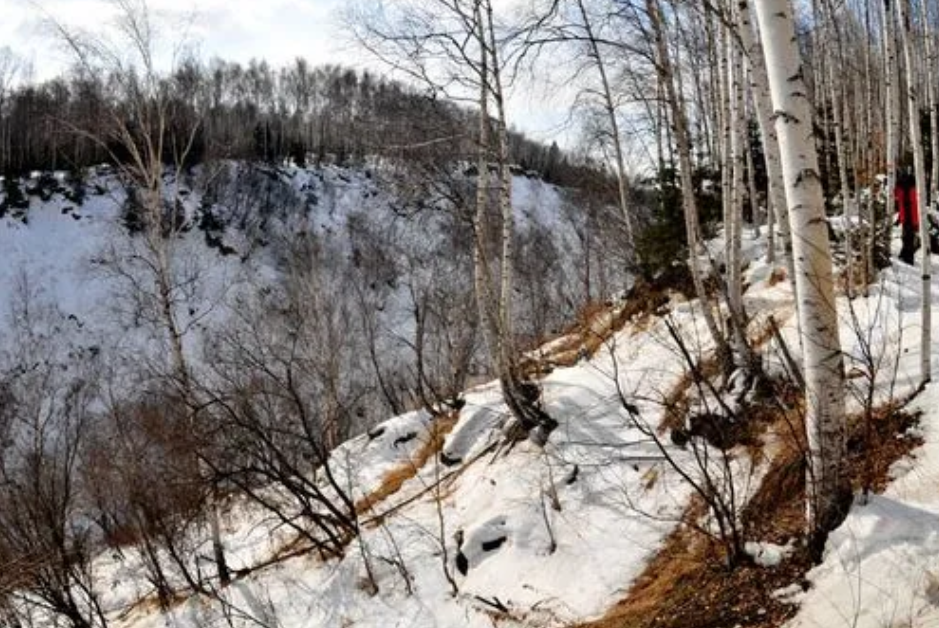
(909, 244)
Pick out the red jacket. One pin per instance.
(907, 206)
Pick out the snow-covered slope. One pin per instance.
(554, 535)
(472, 532)
(240, 221)
(880, 567)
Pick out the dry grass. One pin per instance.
(393, 480)
(858, 279)
(778, 275)
(151, 604)
(677, 402)
(686, 584)
(594, 326)
(874, 445)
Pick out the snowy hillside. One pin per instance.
(455, 527)
(366, 228)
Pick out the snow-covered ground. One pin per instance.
(554, 535)
(528, 536)
(881, 567)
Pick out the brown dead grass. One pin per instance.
(151, 604)
(393, 480)
(686, 584)
(857, 280)
(778, 275)
(594, 325)
(677, 401)
(887, 436)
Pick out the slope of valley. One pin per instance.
(450, 524)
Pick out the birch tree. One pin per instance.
(823, 362)
(137, 134)
(836, 93)
(735, 165)
(453, 47)
(913, 86)
(759, 92)
(891, 78)
(610, 110)
(931, 56)
(679, 120)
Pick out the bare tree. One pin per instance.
(679, 121)
(611, 110)
(10, 68)
(759, 92)
(47, 550)
(454, 47)
(284, 391)
(150, 145)
(914, 98)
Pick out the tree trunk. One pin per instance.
(892, 77)
(609, 108)
(482, 277)
(922, 190)
(847, 201)
(506, 331)
(930, 55)
(759, 87)
(733, 219)
(685, 167)
(827, 486)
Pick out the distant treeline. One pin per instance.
(226, 110)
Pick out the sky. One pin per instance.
(238, 30)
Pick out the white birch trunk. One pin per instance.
(823, 364)
(922, 190)
(870, 158)
(930, 54)
(506, 331)
(733, 225)
(609, 107)
(847, 201)
(759, 88)
(892, 78)
(482, 277)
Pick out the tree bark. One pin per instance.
(759, 88)
(922, 190)
(609, 108)
(891, 78)
(689, 202)
(823, 369)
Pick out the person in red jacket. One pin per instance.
(907, 214)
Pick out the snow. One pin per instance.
(768, 554)
(880, 566)
(527, 517)
(553, 535)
